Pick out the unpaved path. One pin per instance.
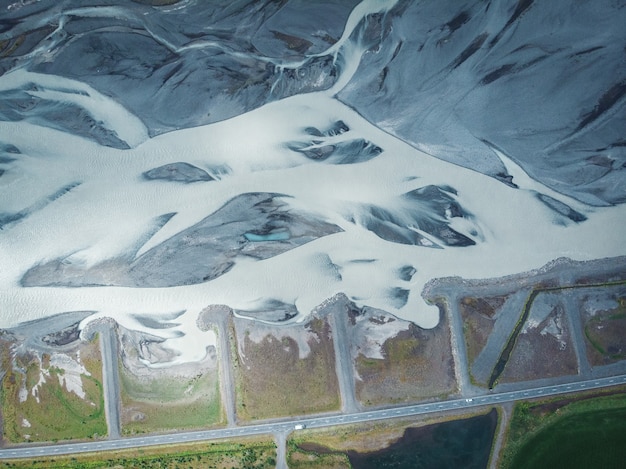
(226, 369)
(221, 317)
(110, 376)
(281, 450)
(505, 417)
(577, 331)
(343, 358)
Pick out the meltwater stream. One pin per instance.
(294, 201)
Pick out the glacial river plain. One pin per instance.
(288, 203)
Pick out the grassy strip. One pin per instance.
(301, 459)
(242, 453)
(559, 427)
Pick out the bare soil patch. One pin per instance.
(284, 370)
(544, 346)
(412, 363)
(603, 313)
(478, 315)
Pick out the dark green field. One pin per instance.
(583, 440)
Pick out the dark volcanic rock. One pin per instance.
(428, 209)
(303, 26)
(63, 337)
(178, 172)
(348, 152)
(20, 105)
(201, 252)
(544, 82)
(271, 310)
(191, 65)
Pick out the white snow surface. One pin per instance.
(112, 207)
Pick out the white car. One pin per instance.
(299, 426)
(469, 399)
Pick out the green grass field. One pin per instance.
(581, 434)
(162, 404)
(32, 387)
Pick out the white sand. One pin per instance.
(112, 207)
(72, 371)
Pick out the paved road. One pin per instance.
(314, 422)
